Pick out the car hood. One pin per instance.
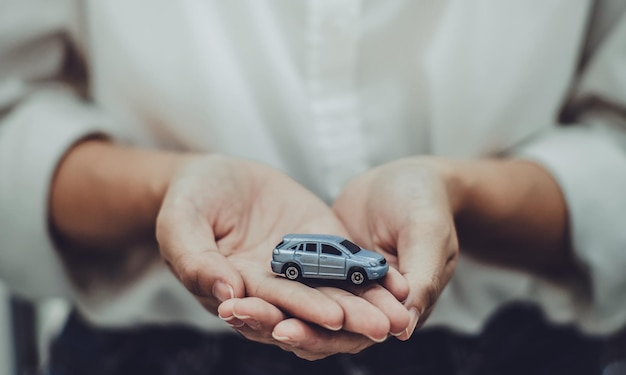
(369, 255)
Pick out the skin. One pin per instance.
(415, 210)
(216, 217)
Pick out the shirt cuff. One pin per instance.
(33, 139)
(590, 167)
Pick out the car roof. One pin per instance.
(313, 237)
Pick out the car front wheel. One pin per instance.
(357, 276)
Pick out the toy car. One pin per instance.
(326, 257)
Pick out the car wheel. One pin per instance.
(292, 271)
(357, 276)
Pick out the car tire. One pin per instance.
(357, 276)
(292, 271)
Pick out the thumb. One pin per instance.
(187, 244)
(427, 255)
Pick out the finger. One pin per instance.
(427, 252)
(361, 316)
(295, 298)
(187, 244)
(381, 299)
(414, 319)
(312, 343)
(225, 312)
(396, 284)
(252, 317)
(254, 312)
(373, 312)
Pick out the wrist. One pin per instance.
(157, 169)
(104, 195)
(512, 210)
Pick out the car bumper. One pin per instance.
(277, 267)
(377, 272)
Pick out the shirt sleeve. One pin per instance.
(40, 119)
(588, 160)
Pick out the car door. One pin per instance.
(332, 262)
(307, 255)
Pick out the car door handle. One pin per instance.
(322, 257)
(298, 255)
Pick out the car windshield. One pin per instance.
(350, 246)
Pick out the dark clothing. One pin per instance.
(517, 340)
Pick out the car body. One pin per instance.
(325, 256)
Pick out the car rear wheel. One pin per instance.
(292, 271)
(357, 276)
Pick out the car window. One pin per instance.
(311, 247)
(280, 244)
(296, 247)
(350, 246)
(328, 249)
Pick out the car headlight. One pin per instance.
(276, 252)
(373, 264)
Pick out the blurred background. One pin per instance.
(6, 354)
(26, 330)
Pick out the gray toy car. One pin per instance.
(326, 257)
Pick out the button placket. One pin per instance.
(333, 38)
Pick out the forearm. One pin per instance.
(104, 195)
(511, 211)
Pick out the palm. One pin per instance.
(403, 211)
(275, 206)
(219, 223)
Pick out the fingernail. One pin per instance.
(233, 322)
(285, 340)
(412, 322)
(377, 340)
(223, 291)
(332, 328)
(398, 333)
(225, 318)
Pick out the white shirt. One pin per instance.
(323, 90)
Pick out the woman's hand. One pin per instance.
(219, 222)
(222, 217)
(506, 211)
(403, 211)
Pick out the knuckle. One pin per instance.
(427, 293)
(453, 256)
(431, 292)
(189, 274)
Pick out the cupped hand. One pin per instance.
(220, 220)
(405, 210)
